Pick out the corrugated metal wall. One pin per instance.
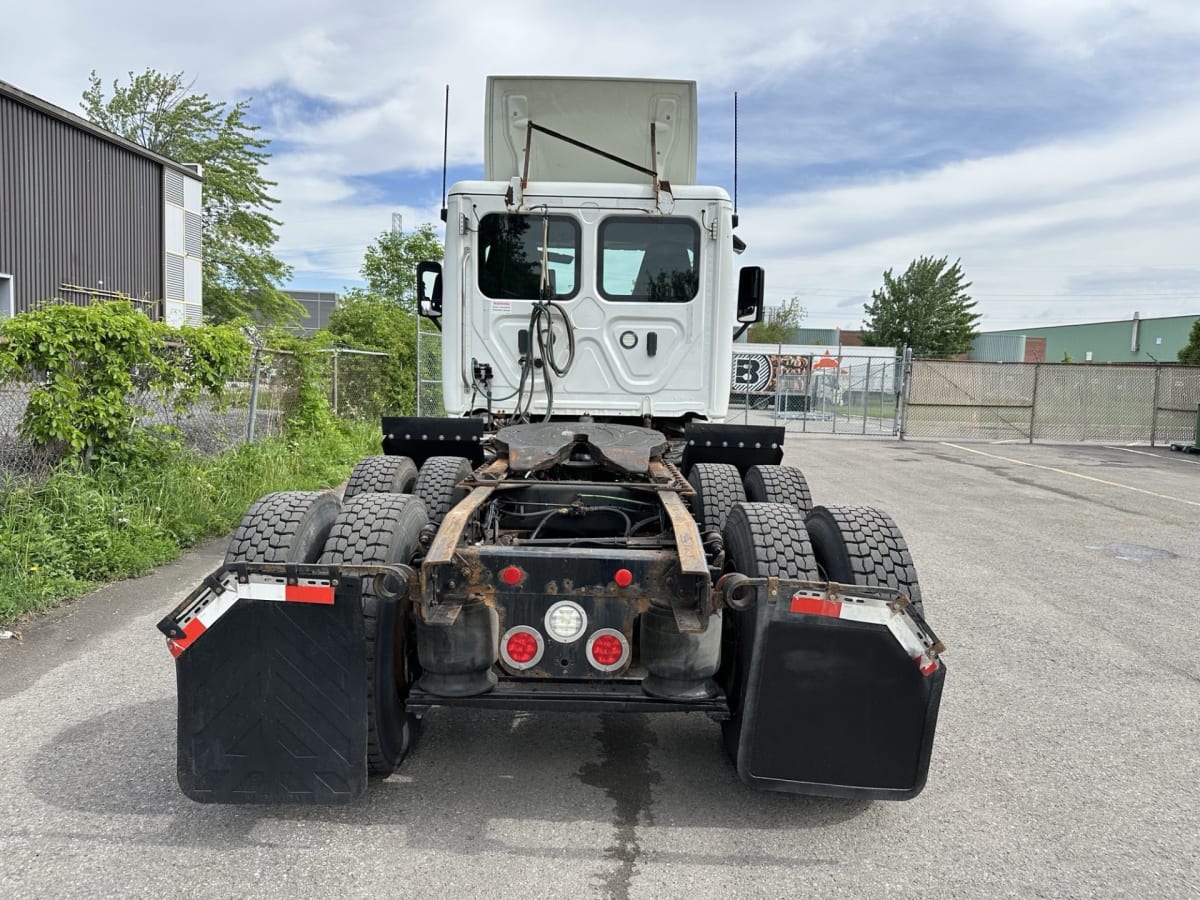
(998, 348)
(75, 209)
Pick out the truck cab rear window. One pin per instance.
(649, 259)
(510, 256)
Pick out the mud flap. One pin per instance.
(273, 703)
(835, 708)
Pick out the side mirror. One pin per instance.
(429, 289)
(750, 295)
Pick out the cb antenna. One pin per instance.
(735, 159)
(445, 150)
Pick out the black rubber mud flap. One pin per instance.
(273, 705)
(835, 708)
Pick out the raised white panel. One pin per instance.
(174, 313)
(173, 229)
(192, 194)
(191, 280)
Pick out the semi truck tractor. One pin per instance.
(582, 531)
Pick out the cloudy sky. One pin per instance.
(1052, 145)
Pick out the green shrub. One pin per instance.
(120, 518)
(89, 363)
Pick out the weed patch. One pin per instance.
(119, 518)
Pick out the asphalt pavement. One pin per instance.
(1065, 581)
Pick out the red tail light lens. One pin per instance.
(510, 575)
(521, 647)
(608, 650)
(623, 578)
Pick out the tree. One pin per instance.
(159, 111)
(1190, 354)
(390, 264)
(779, 324)
(927, 308)
(365, 320)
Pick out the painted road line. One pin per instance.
(1131, 450)
(1117, 484)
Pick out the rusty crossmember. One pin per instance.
(691, 608)
(444, 549)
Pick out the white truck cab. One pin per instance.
(587, 275)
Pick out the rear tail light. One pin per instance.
(566, 621)
(521, 647)
(608, 650)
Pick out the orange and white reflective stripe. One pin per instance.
(873, 612)
(278, 591)
(210, 606)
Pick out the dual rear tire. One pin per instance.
(369, 527)
(776, 532)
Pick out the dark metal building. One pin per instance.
(318, 305)
(84, 213)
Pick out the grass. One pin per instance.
(80, 528)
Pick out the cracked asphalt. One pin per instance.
(1065, 580)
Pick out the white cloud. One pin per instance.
(1059, 213)
(1027, 226)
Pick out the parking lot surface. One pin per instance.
(1064, 580)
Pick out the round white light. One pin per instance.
(566, 621)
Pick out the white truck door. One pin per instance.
(637, 289)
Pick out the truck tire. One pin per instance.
(437, 484)
(284, 527)
(382, 528)
(381, 475)
(862, 545)
(717, 486)
(778, 484)
(762, 540)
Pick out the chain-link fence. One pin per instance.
(251, 408)
(357, 384)
(429, 371)
(1064, 402)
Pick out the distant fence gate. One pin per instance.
(819, 393)
(1054, 402)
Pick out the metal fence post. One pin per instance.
(866, 387)
(1154, 410)
(778, 398)
(902, 392)
(253, 396)
(1037, 369)
(336, 354)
